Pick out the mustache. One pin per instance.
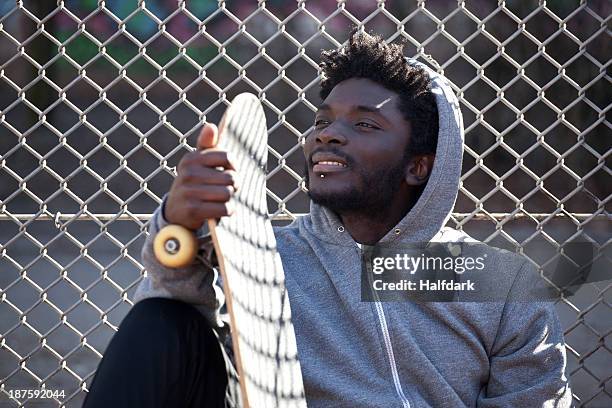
(333, 150)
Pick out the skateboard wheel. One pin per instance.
(175, 246)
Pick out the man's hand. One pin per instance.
(204, 184)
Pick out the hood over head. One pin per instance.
(433, 208)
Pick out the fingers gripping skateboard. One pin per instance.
(176, 246)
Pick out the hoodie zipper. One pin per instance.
(388, 346)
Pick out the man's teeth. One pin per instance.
(333, 163)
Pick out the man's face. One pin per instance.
(358, 146)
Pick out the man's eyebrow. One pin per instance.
(363, 108)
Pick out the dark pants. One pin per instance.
(164, 355)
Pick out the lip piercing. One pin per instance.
(322, 175)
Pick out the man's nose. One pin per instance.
(331, 134)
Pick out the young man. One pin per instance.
(383, 166)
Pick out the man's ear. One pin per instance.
(418, 169)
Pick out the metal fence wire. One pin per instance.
(100, 99)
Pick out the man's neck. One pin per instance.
(368, 229)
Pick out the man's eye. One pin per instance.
(367, 125)
(321, 122)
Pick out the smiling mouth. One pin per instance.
(328, 166)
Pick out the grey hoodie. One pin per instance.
(397, 354)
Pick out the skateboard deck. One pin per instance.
(263, 338)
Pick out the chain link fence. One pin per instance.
(100, 99)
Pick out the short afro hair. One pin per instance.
(369, 56)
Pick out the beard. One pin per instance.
(369, 197)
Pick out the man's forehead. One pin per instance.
(375, 108)
(360, 94)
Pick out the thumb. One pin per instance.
(208, 137)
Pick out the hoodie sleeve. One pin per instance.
(196, 284)
(528, 360)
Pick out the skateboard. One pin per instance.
(263, 339)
